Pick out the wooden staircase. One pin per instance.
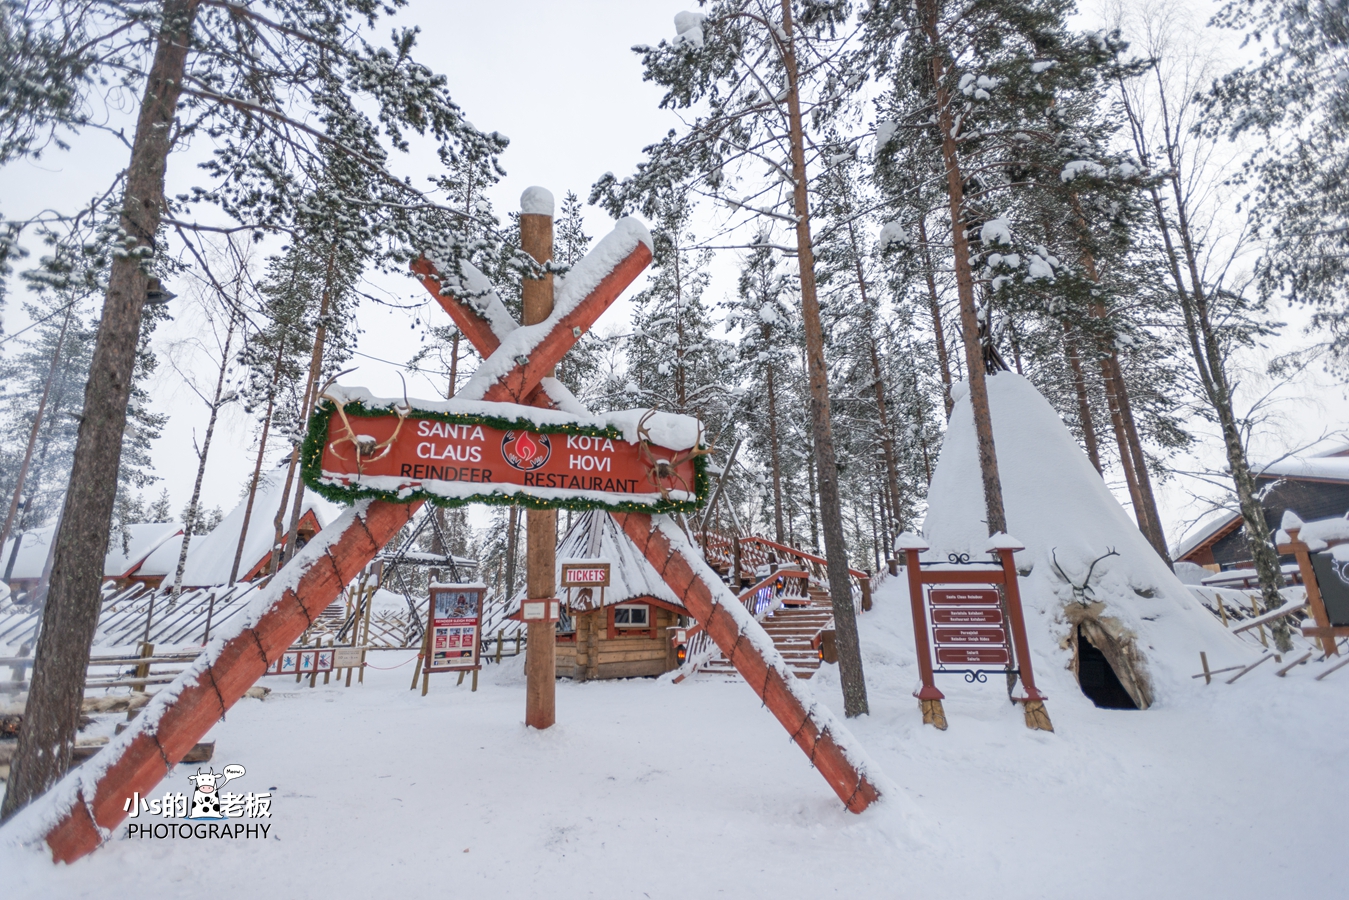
(796, 634)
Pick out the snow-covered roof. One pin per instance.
(1321, 468)
(33, 547)
(595, 536)
(142, 540)
(211, 556)
(1059, 506)
(1203, 532)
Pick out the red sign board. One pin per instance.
(465, 461)
(973, 656)
(453, 620)
(963, 596)
(970, 636)
(585, 574)
(967, 616)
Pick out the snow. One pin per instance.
(144, 539)
(1087, 167)
(893, 234)
(595, 536)
(33, 549)
(537, 201)
(1043, 65)
(1203, 532)
(689, 29)
(466, 282)
(885, 133)
(995, 231)
(1160, 803)
(1057, 504)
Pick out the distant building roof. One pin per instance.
(122, 559)
(210, 557)
(1331, 467)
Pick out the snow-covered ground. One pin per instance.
(649, 789)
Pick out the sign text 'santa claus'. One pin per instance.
(427, 452)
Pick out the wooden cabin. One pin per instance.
(626, 630)
(1313, 487)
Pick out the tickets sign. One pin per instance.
(579, 575)
(452, 460)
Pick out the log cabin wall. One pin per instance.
(600, 650)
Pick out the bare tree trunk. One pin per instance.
(1083, 404)
(512, 529)
(774, 452)
(32, 436)
(193, 504)
(257, 466)
(286, 547)
(969, 319)
(836, 550)
(938, 332)
(1210, 365)
(1156, 534)
(71, 613)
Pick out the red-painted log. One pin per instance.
(160, 737)
(690, 578)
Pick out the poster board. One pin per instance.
(454, 624)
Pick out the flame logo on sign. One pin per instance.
(525, 451)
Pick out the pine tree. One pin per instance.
(248, 81)
(761, 79)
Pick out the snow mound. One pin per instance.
(1067, 518)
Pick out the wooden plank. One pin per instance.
(1270, 616)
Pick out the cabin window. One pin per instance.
(635, 616)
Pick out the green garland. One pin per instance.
(311, 470)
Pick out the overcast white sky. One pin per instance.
(560, 80)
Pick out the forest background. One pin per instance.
(587, 111)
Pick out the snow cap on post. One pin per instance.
(909, 541)
(1003, 541)
(537, 201)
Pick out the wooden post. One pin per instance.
(866, 593)
(929, 697)
(1315, 601)
(365, 629)
(1203, 661)
(143, 670)
(536, 238)
(1255, 611)
(501, 636)
(421, 657)
(1034, 703)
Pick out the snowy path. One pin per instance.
(658, 790)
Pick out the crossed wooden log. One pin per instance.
(81, 811)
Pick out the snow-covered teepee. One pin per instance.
(1129, 606)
